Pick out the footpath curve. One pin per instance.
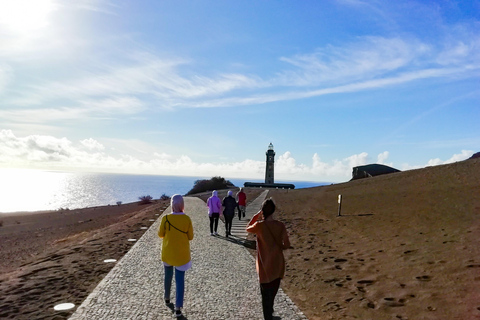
(222, 283)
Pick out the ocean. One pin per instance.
(33, 190)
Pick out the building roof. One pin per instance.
(371, 170)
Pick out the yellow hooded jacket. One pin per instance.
(176, 231)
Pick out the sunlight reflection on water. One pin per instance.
(33, 190)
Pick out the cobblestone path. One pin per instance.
(222, 283)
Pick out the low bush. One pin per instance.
(145, 199)
(164, 197)
(215, 183)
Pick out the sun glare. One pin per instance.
(25, 15)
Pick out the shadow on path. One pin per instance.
(250, 244)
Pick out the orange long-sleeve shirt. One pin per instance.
(272, 239)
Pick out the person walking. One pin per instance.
(272, 239)
(214, 209)
(176, 230)
(230, 204)
(242, 203)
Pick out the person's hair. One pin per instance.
(268, 207)
(177, 203)
(241, 189)
(229, 193)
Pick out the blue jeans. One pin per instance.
(179, 285)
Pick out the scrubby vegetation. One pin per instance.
(164, 197)
(145, 199)
(215, 183)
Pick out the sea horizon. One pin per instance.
(30, 190)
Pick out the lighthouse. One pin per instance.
(270, 161)
(269, 180)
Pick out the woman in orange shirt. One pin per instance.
(272, 239)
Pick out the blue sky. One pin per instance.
(200, 88)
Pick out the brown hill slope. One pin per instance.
(405, 247)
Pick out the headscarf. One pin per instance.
(177, 203)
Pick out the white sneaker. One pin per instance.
(211, 234)
(216, 233)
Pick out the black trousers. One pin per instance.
(228, 222)
(214, 220)
(269, 291)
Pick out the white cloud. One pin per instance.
(382, 157)
(465, 154)
(92, 144)
(339, 170)
(49, 152)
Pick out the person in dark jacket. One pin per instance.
(230, 204)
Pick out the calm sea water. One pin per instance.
(31, 190)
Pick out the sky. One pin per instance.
(201, 88)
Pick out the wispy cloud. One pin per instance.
(367, 58)
(138, 81)
(101, 6)
(151, 81)
(114, 107)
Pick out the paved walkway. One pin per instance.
(222, 283)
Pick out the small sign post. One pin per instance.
(339, 204)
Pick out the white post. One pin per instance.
(339, 204)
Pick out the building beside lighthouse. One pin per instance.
(269, 173)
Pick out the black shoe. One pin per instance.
(178, 313)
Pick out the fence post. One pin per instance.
(339, 204)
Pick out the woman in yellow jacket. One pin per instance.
(176, 230)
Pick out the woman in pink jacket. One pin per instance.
(214, 210)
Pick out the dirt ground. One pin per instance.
(405, 247)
